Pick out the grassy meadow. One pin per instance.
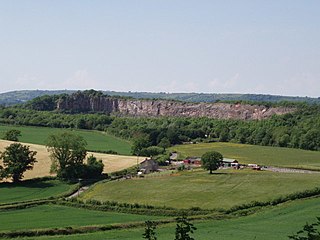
(32, 190)
(54, 216)
(96, 140)
(41, 168)
(224, 189)
(263, 155)
(272, 223)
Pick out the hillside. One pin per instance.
(16, 97)
(93, 101)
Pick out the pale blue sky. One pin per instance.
(239, 46)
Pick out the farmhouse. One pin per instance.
(148, 165)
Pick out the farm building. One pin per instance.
(227, 162)
(192, 161)
(148, 165)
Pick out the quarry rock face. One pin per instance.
(79, 102)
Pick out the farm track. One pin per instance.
(289, 170)
(78, 192)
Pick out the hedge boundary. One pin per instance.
(135, 208)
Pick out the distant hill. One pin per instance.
(16, 97)
(22, 96)
(214, 97)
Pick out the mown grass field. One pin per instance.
(224, 189)
(31, 190)
(263, 155)
(96, 140)
(41, 168)
(53, 216)
(271, 223)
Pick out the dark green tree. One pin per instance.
(184, 228)
(17, 159)
(149, 231)
(93, 168)
(164, 143)
(151, 151)
(12, 135)
(211, 160)
(139, 143)
(311, 140)
(67, 152)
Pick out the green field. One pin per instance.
(270, 156)
(31, 190)
(271, 223)
(197, 188)
(96, 140)
(53, 216)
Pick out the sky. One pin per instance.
(210, 46)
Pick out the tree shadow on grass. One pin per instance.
(40, 184)
(219, 173)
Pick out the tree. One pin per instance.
(16, 159)
(149, 231)
(211, 160)
(184, 228)
(67, 152)
(309, 232)
(12, 135)
(93, 168)
(139, 143)
(151, 151)
(164, 143)
(311, 140)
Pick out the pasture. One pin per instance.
(271, 223)
(223, 189)
(96, 140)
(54, 216)
(263, 155)
(32, 190)
(42, 167)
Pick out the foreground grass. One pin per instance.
(96, 140)
(271, 223)
(263, 155)
(54, 216)
(32, 190)
(224, 189)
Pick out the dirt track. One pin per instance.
(289, 170)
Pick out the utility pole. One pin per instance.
(79, 180)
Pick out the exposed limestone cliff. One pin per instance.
(80, 102)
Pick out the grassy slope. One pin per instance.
(96, 140)
(32, 190)
(199, 189)
(52, 216)
(272, 156)
(274, 223)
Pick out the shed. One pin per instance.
(148, 165)
(228, 162)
